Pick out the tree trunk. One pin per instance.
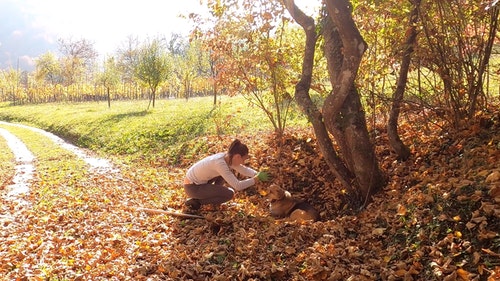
(154, 98)
(109, 97)
(215, 94)
(214, 80)
(304, 100)
(395, 141)
(343, 111)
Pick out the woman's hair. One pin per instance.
(237, 147)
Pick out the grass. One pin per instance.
(128, 129)
(6, 163)
(493, 80)
(54, 165)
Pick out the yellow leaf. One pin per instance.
(263, 192)
(439, 207)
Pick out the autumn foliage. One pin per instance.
(437, 219)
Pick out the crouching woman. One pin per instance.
(204, 182)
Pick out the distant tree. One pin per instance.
(153, 66)
(110, 77)
(176, 44)
(79, 56)
(200, 62)
(127, 59)
(47, 68)
(190, 63)
(3, 86)
(11, 79)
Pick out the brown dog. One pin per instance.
(283, 205)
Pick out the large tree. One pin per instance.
(342, 115)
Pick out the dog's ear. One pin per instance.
(275, 192)
(273, 188)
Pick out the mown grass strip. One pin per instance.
(7, 163)
(56, 169)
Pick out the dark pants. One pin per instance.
(213, 192)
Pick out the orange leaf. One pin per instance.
(400, 272)
(463, 274)
(401, 210)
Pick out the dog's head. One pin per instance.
(276, 192)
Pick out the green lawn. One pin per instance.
(127, 128)
(6, 163)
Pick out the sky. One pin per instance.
(30, 28)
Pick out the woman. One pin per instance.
(204, 180)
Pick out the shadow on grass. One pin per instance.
(149, 133)
(121, 116)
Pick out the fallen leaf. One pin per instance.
(463, 274)
(493, 177)
(401, 210)
(378, 231)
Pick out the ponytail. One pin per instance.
(237, 147)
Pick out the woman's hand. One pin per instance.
(263, 176)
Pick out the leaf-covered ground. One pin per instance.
(437, 219)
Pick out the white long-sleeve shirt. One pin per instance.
(215, 165)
